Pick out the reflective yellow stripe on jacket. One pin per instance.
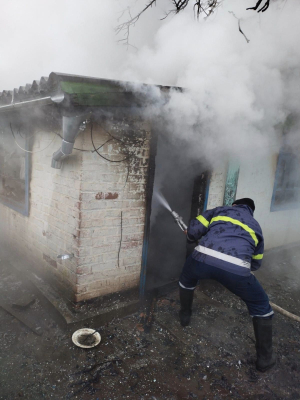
(206, 223)
(239, 223)
(203, 221)
(258, 257)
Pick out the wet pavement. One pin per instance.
(213, 358)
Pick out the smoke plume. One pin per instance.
(236, 93)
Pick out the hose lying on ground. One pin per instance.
(284, 312)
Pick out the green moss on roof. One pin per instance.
(88, 88)
(92, 94)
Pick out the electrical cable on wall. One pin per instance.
(29, 151)
(109, 133)
(75, 148)
(88, 150)
(23, 137)
(120, 239)
(95, 149)
(100, 147)
(114, 161)
(128, 167)
(126, 180)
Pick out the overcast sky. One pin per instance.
(238, 91)
(78, 36)
(71, 36)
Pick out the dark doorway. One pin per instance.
(183, 182)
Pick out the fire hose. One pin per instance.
(282, 311)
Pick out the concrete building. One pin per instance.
(78, 165)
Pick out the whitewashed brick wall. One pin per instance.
(107, 189)
(53, 220)
(77, 209)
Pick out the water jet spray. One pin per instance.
(176, 216)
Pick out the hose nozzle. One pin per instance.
(179, 221)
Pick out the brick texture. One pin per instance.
(112, 208)
(77, 209)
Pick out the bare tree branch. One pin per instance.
(180, 5)
(134, 19)
(202, 6)
(239, 25)
(263, 9)
(247, 40)
(206, 7)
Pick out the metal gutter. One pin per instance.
(43, 101)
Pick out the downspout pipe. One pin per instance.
(71, 129)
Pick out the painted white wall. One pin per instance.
(256, 180)
(77, 209)
(217, 187)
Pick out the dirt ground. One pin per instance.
(211, 359)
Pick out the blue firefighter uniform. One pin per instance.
(230, 246)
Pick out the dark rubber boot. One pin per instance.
(186, 301)
(263, 335)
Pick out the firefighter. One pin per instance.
(230, 246)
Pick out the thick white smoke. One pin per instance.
(70, 36)
(236, 94)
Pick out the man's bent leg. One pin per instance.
(259, 308)
(257, 301)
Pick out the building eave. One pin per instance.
(79, 91)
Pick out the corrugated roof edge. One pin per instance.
(49, 86)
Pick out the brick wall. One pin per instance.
(107, 264)
(77, 209)
(53, 220)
